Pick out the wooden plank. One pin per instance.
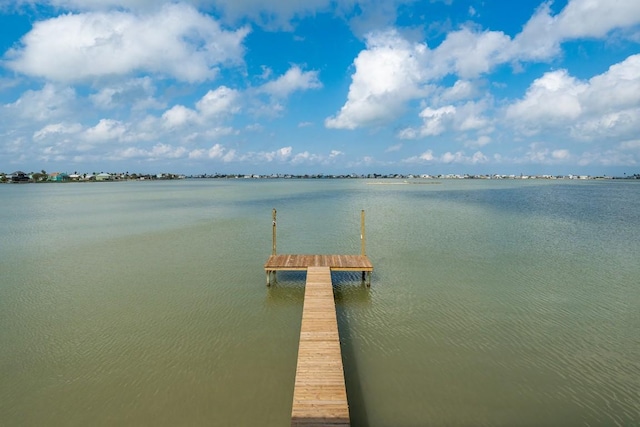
(302, 262)
(319, 396)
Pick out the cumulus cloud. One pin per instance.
(481, 141)
(215, 105)
(106, 130)
(469, 53)
(363, 15)
(175, 41)
(387, 74)
(138, 93)
(217, 151)
(287, 155)
(459, 157)
(219, 102)
(630, 145)
(541, 37)
(178, 116)
(605, 105)
(393, 70)
(272, 14)
(461, 90)
(551, 98)
(157, 152)
(49, 103)
(293, 80)
(435, 121)
(57, 129)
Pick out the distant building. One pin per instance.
(59, 177)
(103, 177)
(18, 176)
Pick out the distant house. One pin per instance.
(59, 177)
(18, 176)
(103, 177)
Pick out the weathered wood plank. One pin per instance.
(319, 396)
(335, 262)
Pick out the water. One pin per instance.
(508, 303)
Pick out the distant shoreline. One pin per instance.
(404, 183)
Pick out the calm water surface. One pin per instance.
(502, 303)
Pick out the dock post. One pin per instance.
(273, 248)
(273, 245)
(362, 235)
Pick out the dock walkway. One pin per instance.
(303, 262)
(319, 396)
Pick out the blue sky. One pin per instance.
(320, 86)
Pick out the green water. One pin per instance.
(492, 302)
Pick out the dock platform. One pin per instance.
(319, 396)
(333, 262)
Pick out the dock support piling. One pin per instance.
(273, 244)
(271, 277)
(362, 235)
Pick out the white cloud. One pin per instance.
(560, 154)
(273, 14)
(461, 90)
(217, 151)
(155, 153)
(282, 14)
(630, 145)
(607, 105)
(469, 54)
(589, 18)
(281, 154)
(553, 98)
(481, 141)
(388, 73)
(49, 103)
(617, 88)
(214, 106)
(57, 129)
(616, 124)
(459, 157)
(178, 116)
(106, 130)
(607, 158)
(392, 70)
(175, 41)
(287, 155)
(393, 148)
(219, 102)
(541, 37)
(293, 80)
(539, 153)
(138, 93)
(435, 121)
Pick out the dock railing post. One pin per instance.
(272, 273)
(362, 235)
(273, 246)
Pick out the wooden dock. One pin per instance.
(303, 262)
(319, 396)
